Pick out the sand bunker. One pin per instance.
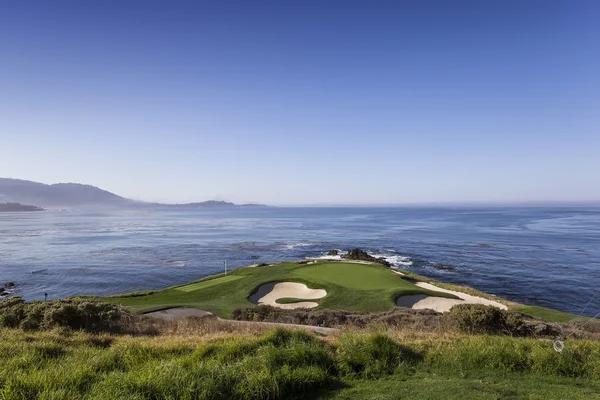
(441, 304)
(270, 292)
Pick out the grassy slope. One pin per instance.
(282, 364)
(545, 314)
(349, 286)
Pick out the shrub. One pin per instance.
(420, 319)
(482, 319)
(372, 356)
(12, 312)
(77, 314)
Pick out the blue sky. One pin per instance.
(302, 102)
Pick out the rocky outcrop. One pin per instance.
(332, 253)
(9, 284)
(358, 254)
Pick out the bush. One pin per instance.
(372, 356)
(421, 319)
(12, 312)
(77, 314)
(482, 319)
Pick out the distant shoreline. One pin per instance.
(17, 207)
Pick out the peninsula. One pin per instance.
(17, 207)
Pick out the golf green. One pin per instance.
(350, 286)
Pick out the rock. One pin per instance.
(444, 267)
(358, 254)
(260, 265)
(332, 253)
(9, 284)
(1, 290)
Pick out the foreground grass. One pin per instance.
(487, 387)
(285, 364)
(349, 286)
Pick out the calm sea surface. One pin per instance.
(541, 256)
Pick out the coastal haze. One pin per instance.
(541, 256)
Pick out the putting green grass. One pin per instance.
(350, 287)
(364, 277)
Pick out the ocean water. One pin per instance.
(540, 256)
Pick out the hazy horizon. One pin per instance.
(424, 204)
(335, 103)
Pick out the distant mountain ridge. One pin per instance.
(78, 195)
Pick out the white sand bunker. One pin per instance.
(441, 304)
(270, 292)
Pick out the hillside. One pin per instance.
(57, 195)
(80, 195)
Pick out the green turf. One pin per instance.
(349, 286)
(490, 387)
(206, 284)
(284, 364)
(365, 277)
(546, 314)
(290, 300)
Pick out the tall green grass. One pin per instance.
(279, 365)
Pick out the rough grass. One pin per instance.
(546, 314)
(284, 364)
(350, 286)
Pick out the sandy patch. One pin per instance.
(270, 292)
(441, 304)
(398, 272)
(177, 313)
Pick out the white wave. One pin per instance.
(400, 260)
(292, 246)
(178, 263)
(394, 259)
(324, 256)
